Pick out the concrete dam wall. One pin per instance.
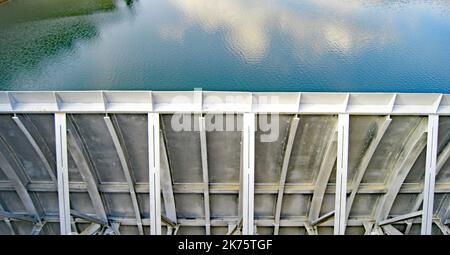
(199, 162)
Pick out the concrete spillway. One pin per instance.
(107, 162)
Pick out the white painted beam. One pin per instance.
(323, 218)
(286, 157)
(291, 221)
(168, 222)
(238, 102)
(62, 173)
(166, 179)
(90, 218)
(241, 186)
(405, 161)
(204, 156)
(126, 170)
(441, 160)
(16, 216)
(341, 178)
(48, 166)
(20, 188)
(154, 173)
(85, 167)
(248, 143)
(430, 174)
(365, 160)
(401, 218)
(321, 182)
(227, 188)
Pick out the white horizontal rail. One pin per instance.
(223, 102)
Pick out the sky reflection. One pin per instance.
(249, 26)
(245, 45)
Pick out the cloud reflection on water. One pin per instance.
(247, 26)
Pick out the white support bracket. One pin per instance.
(154, 173)
(430, 174)
(341, 174)
(248, 144)
(62, 173)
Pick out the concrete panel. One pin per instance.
(309, 148)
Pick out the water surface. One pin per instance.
(245, 45)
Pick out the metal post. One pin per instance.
(62, 173)
(341, 178)
(154, 178)
(204, 155)
(284, 169)
(116, 137)
(430, 174)
(248, 141)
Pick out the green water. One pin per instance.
(245, 45)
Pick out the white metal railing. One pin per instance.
(154, 103)
(222, 102)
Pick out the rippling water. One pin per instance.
(246, 45)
